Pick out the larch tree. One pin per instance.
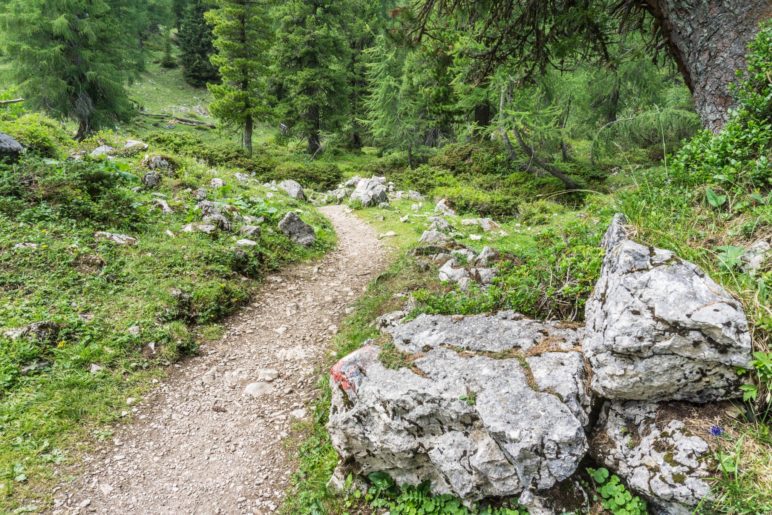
(196, 48)
(706, 38)
(311, 59)
(73, 59)
(242, 34)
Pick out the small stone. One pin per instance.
(298, 414)
(118, 239)
(19, 246)
(134, 330)
(102, 150)
(258, 389)
(95, 369)
(246, 243)
(293, 189)
(390, 234)
(217, 183)
(130, 401)
(297, 230)
(267, 375)
(85, 504)
(475, 237)
(443, 206)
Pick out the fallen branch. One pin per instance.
(9, 102)
(552, 170)
(183, 121)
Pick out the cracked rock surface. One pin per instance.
(655, 453)
(474, 425)
(659, 329)
(501, 332)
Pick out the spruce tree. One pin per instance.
(73, 58)
(242, 33)
(195, 42)
(311, 58)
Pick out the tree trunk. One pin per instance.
(84, 128)
(314, 135)
(248, 127)
(708, 40)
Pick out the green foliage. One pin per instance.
(242, 35)
(195, 41)
(316, 175)
(39, 135)
(615, 497)
(472, 199)
(417, 500)
(311, 58)
(738, 159)
(72, 65)
(549, 276)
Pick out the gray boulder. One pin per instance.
(371, 192)
(563, 374)
(446, 421)
(659, 329)
(452, 272)
(133, 147)
(435, 237)
(250, 230)
(293, 189)
(443, 207)
(102, 150)
(297, 230)
(219, 221)
(501, 332)
(756, 258)
(10, 149)
(151, 180)
(653, 450)
(157, 163)
(439, 224)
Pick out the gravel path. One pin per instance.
(210, 438)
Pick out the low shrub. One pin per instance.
(39, 134)
(469, 199)
(317, 176)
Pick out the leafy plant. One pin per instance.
(615, 497)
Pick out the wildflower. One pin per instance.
(61, 344)
(716, 431)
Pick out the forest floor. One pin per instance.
(212, 437)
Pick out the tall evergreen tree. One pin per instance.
(311, 61)
(73, 58)
(195, 42)
(242, 33)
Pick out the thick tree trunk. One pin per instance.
(314, 131)
(84, 128)
(248, 128)
(708, 40)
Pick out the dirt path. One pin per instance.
(210, 439)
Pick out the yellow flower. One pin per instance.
(61, 344)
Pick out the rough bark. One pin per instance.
(708, 39)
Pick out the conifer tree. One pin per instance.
(241, 30)
(73, 58)
(195, 42)
(311, 61)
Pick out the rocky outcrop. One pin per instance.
(446, 421)
(659, 329)
(371, 192)
(297, 230)
(293, 189)
(102, 150)
(655, 452)
(118, 239)
(10, 149)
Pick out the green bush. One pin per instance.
(423, 178)
(39, 134)
(481, 158)
(314, 175)
(87, 192)
(469, 199)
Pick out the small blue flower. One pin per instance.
(716, 431)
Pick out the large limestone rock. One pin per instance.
(297, 230)
(10, 149)
(293, 189)
(501, 332)
(371, 192)
(659, 329)
(472, 425)
(654, 451)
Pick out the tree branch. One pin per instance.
(9, 102)
(552, 170)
